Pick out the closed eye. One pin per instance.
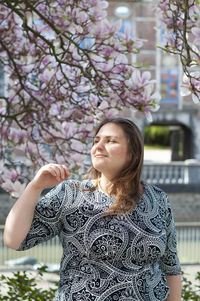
(95, 141)
(106, 140)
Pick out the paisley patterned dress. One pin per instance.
(108, 258)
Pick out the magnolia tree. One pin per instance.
(67, 67)
(181, 21)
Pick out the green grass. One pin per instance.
(152, 147)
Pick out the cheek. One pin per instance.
(92, 150)
(120, 152)
(123, 156)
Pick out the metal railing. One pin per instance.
(186, 172)
(174, 172)
(48, 252)
(165, 173)
(188, 237)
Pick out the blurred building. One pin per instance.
(180, 114)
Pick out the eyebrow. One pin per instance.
(106, 137)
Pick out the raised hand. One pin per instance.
(50, 175)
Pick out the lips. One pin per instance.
(99, 156)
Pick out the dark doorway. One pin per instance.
(181, 143)
(177, 137)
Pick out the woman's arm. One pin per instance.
(174, 283)
(20, 217)
(169, 262)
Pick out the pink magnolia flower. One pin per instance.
(1, 167)
(104, 105)
(11, 174)
(148, 115)
(112, 113)
(196, 33)
(70, 128)
(191, 86)
(47, 75)
(15, 188)
(194, 11)
(55, 109)
(77, 159)
(77, 145)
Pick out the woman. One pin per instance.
(117, 233)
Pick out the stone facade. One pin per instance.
(179, 113)
(186, 206)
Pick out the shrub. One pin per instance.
(23, 287)
(20, 286)
(190, 291)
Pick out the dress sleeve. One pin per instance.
(47, 221)
(169, 262)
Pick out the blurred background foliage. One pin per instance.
(157, 135)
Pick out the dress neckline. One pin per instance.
(91, 183)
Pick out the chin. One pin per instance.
(98, 168)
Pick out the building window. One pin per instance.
(169, 85)
(122, 11)
(126, 23)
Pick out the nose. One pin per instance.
(99, 145)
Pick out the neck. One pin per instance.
(104, 184)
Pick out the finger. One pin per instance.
(62, 172)
(54, 170)
(66, 171)
(59, 171)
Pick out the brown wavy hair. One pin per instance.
(126, 187)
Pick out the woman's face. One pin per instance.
(109, 153)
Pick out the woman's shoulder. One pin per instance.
(155, 194)
(154, 189)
